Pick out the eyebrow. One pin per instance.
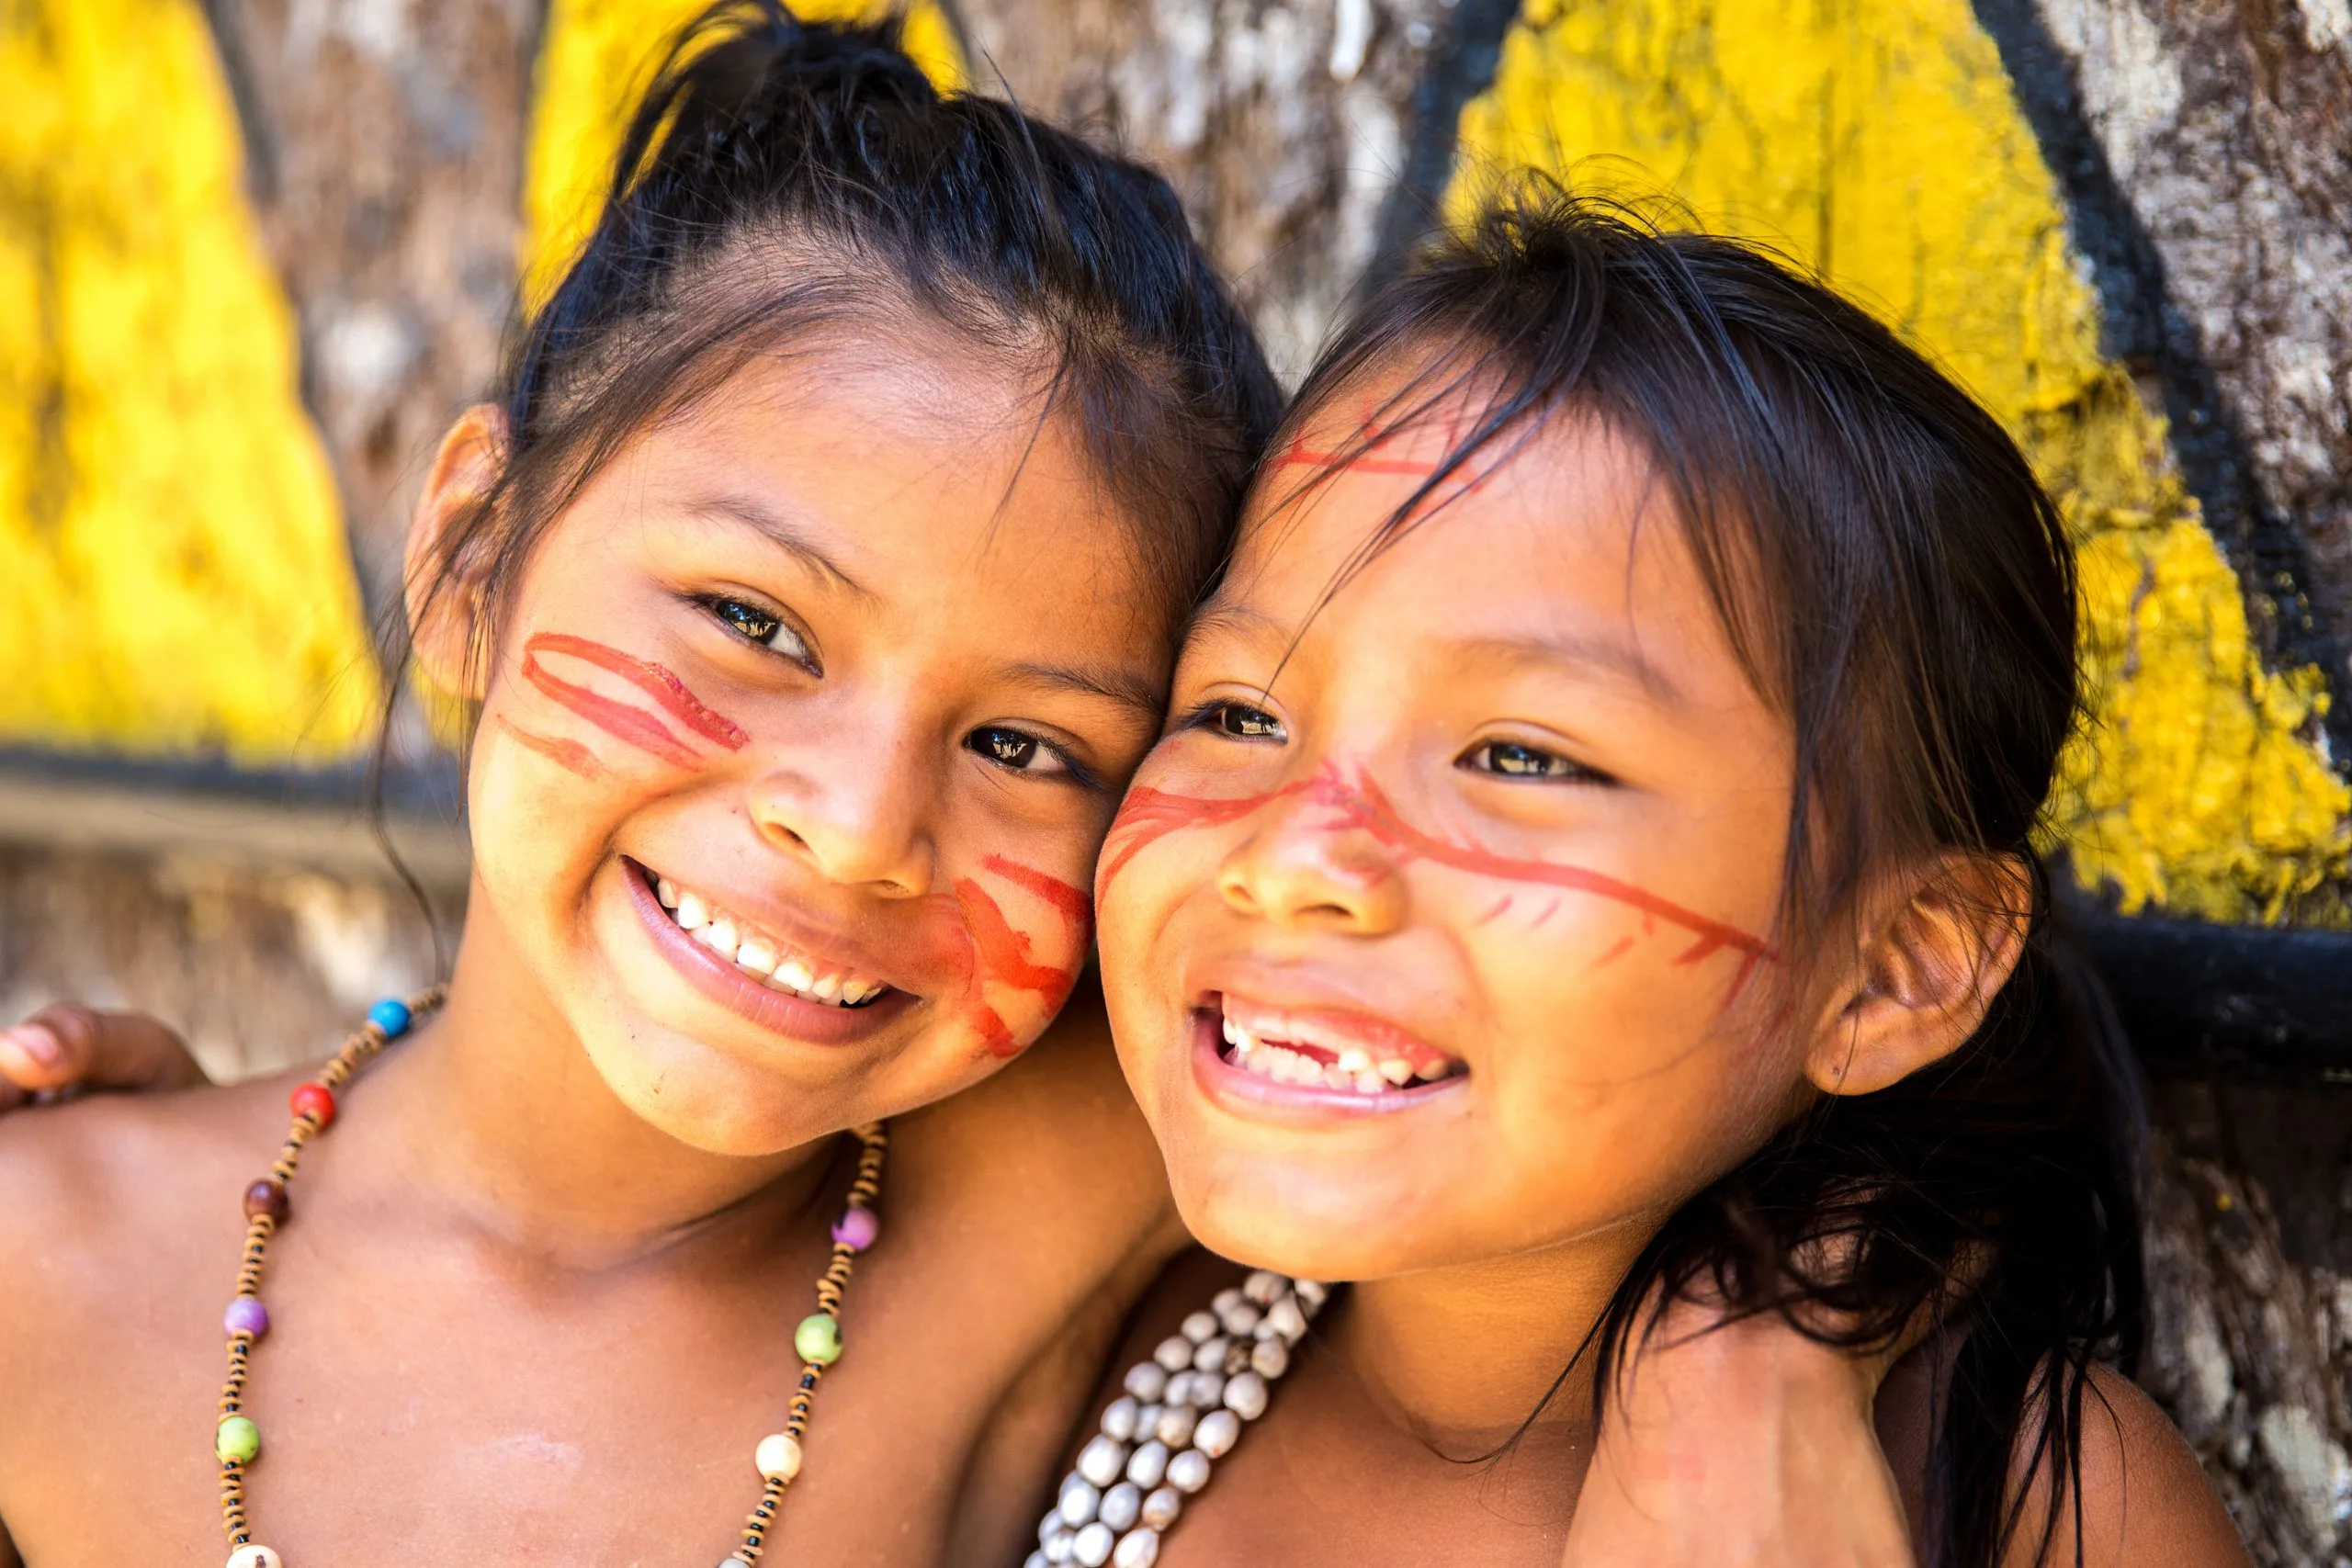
(780, 530)
(1122, 687)
(1608, 654)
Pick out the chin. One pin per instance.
(702, 1097)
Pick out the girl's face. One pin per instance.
(1434, 930)
(802, 733)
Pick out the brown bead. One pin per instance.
(265, 1197)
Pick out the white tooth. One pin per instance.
(1369, 1082)
(693, 913)
(1337, 1076)
(718, 936)
(1355, 1059)
(1248, 1041)
(1433, 1072)
(1297, 1069)
(852, 992)
(827, 987)
(1396, 1070)
(795, 972)
(1232, 1034)
(755, 956)
(667, 891)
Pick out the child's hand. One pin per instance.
(1746, 1446)
(66, 1046)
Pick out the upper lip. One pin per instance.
(836, 947)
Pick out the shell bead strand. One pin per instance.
(237, 1440)
(1215, 1376)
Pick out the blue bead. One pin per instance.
(392, 1016)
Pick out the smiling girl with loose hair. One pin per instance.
(1590, 868)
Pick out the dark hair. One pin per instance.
(785, 177)
(1902, 589)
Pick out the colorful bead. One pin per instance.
(245, 1315)
(392, 1016)
(265, 1197)
(778, 1456)
(254, 1557)
(857, 1228)
(315, 1100)
(238, 1441)
(818, 1338)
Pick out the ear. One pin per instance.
(1936, 947)
(443, 570)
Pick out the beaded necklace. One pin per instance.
(237, 1441)
(1182, 1409)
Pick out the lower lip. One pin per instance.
(1246, 1093)
(779, 1012)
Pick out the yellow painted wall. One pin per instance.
(1880, 141)
(598, 60)
(174, 575)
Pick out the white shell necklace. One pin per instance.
(1182, 1409)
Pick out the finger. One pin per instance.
(33, 1056)
(110, 1050)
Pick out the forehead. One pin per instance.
(1557, 529)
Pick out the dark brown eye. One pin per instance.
(1012, 749)
(1242, 722)
(765, 627)
(1510, 759)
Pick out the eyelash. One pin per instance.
(1552, 765)
(1072, 770)
(720, 604)
(1209, 714)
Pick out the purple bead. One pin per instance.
(246, 1315)
(857, 1228)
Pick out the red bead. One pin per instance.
(314, 1100)
(265, 1197)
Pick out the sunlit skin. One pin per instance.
(1507, 805)
(794, 652)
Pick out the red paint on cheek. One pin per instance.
(626, 721)
(564, 753)
(1360, 804)
(973, 941)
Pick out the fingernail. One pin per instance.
(38, 1042)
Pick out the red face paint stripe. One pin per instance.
(1004, 952)
(1366, 806)
(1075, 906)
(664, 688)
(1150, 815)
(631, 725)
(564, 753)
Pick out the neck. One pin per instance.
(1463, 1357)
(494, 1114)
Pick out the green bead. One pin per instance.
(819, 1340)
(238, 1441)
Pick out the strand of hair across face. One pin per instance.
(236, 1441)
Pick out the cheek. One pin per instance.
(1014, 935)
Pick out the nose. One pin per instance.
(1308, 867)
(857, 805)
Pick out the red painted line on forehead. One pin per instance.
(564, 753)
(659, 683)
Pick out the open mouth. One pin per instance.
(761, 956)
(1314, 1051)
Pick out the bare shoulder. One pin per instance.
(108, 1192)
(2145, 1500)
